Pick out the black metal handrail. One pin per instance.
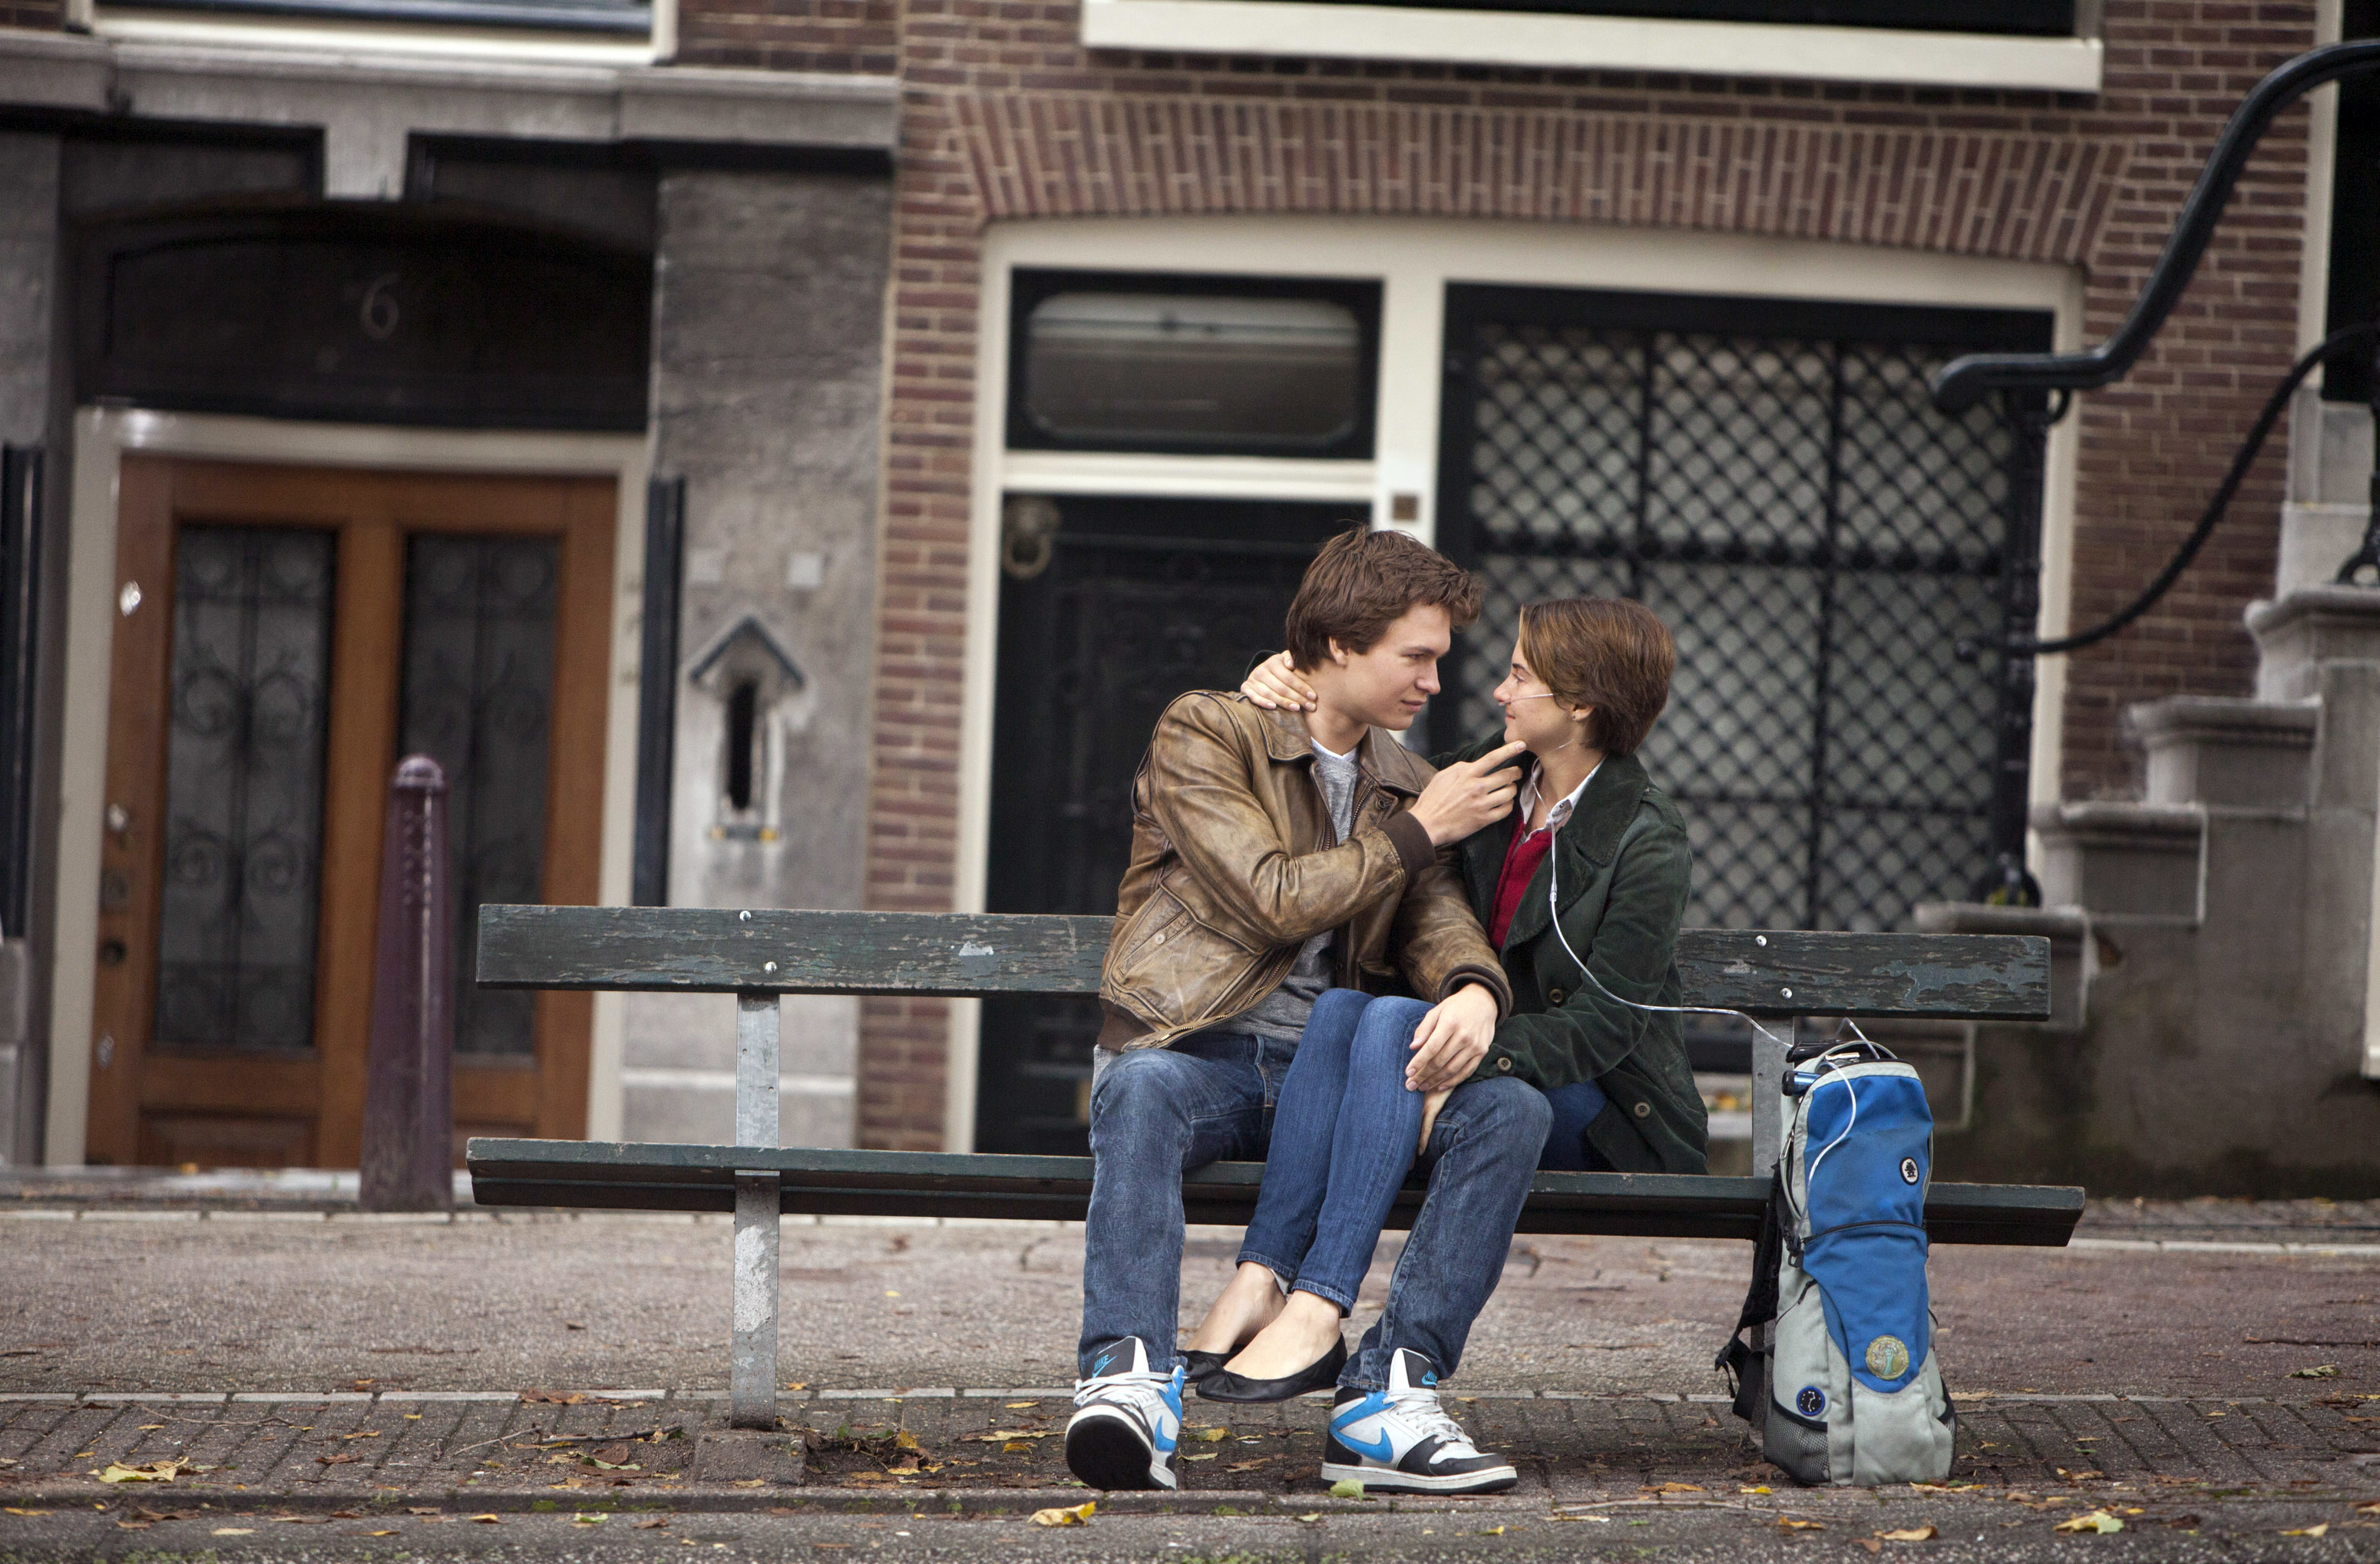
(1962, 382)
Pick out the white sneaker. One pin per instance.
(1127, 1423)
(1401, 1439)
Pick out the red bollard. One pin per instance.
(409, 1091)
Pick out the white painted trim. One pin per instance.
(1545, 40)
(1220, 478)
(103, 437)
(2320, 167)
(132, 25)
(1415, 258)
(2061, 461)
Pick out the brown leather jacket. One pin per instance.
(1233, 869)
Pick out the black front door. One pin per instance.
(1135, 601)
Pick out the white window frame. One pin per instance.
(1543, 40)
(1415, 260)
(102, 438)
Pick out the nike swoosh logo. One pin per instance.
(1379, 1449)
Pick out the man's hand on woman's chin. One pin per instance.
(1452, 1040)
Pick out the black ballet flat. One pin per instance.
(1198, 1368)
(1225, 1386)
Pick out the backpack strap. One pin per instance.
(1746, 1363)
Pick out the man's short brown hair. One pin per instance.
(1364, 581)
(1613, 654)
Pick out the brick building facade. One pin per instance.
(1008, 117)
(837, 199)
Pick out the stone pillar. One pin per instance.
(768, 369)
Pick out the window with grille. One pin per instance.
(1770, 478)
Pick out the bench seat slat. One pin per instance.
(709, 949)
(814, 1182)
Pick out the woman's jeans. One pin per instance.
(1158, 1113)
(1574, 1107)
(1343, 1137)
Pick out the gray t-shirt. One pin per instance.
(1284, 1012)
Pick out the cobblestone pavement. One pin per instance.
(329, 1385)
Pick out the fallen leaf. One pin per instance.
(373, 1433)
(2093, 1520)
(1673, 1489)
(1204, 1455)
(1788, 1524)
(2367, 1509)
(1248, 1465)
(346, 1515)
(14, 1511)
(145, 1428)
(1870, 1544)
(2320, 1371)
(423, 1509)
(1310, 1517)
(572, 1325)
(1493, 1531)
(904, 1440)
(1911, 1533)
(340, 1459)
(1762, 1489)
(1212, 1436)
(1070, 1517)
(2309, 1531)
(797, 1385)
(1016, 1447)
(1011, 1406)
(380, 1533)
(1347, 1488)
(650, 1523)
(583, 1519)
(556, 1397)
(235, 1531)
(154, 1471)
(486, 1520)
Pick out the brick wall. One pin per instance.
(1006, 115)
(860, 36)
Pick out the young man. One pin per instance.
(1275, 855)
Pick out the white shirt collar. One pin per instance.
(1328, 752)
(1560, 813)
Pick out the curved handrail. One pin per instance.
(1962, 382)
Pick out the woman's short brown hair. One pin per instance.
(1364, 581)
(1613, 654)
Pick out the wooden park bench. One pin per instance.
(758, 955)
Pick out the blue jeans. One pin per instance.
(1343, 1138)
(1156, 1112)
(1574, 1108)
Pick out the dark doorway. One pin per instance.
(1126, 605)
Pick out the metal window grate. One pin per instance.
(1772, 480)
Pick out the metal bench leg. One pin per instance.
(1768, 1095)
(752, 1360)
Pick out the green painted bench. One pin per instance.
(758, 955)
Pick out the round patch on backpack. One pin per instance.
(1811, 1403)
(1908, 1170)
(1886, 1358)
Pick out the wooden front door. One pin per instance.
(286, 633)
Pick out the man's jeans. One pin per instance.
(1158, 1112)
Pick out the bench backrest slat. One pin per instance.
(710, 950)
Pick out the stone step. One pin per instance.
(2300, 631)
(2227, 753)
(2123, 860)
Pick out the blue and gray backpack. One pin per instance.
(1837, 1376)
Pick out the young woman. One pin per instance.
(1581, 889)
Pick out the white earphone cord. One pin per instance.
(1553, 906)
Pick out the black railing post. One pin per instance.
(408, 1153)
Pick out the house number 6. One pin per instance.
(379, 316)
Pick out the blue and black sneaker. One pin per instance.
(1401, 1439)
(1127, 1419)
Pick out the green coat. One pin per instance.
(1621, 908)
